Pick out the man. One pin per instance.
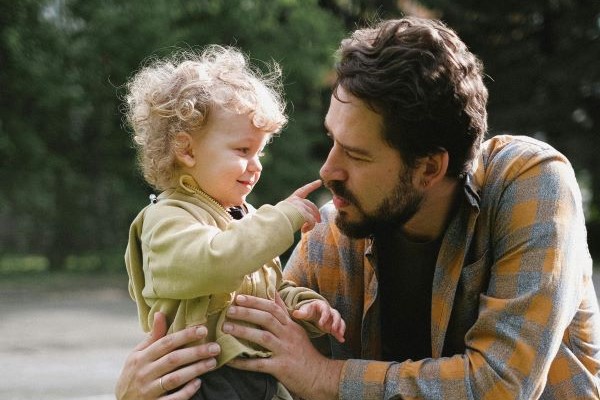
(461, 268)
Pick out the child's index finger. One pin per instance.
(307, 189)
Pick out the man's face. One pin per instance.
(371, 187)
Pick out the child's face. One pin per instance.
(227, 152)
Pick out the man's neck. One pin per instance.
(437, 208)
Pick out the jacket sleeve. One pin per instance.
(294, 297)
(189, 259)
(539, 252)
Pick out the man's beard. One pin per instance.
(393, 211)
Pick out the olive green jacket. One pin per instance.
(187, 257)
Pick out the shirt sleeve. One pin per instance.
(539, 252)
(180, 248)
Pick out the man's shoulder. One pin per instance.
(503, 156)
(508, 159)
(507, 147)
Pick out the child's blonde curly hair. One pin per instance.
(176, 94)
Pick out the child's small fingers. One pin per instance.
(325, 319)
(307, 227)
(308, 188)
(337, 318)
(335, 326)
(309, 311)
(314, 210)
(299, 314)
(339, 332)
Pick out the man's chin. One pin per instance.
(353, 229)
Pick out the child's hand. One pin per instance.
(307, 208)
(328, 319)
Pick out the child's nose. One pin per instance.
(254, 165)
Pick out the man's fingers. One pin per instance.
(307, 189)
(167, 344)
(204, 355)
(255, 335)
(270, 315)
(251, 364)
(265, 308)
(279, 301)
(187, 375)
(183, 366)
(185, 392)
(159, 329)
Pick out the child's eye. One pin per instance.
(243, 150)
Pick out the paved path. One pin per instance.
(65, 344)
(68, 343)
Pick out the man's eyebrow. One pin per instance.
(346, 147)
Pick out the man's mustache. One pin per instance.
(338, 189)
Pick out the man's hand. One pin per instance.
(294, 361)
(159, 364)
(320, 313)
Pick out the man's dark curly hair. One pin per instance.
(425, 83)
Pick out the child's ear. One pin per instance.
(184, 149)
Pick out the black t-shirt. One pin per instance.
(405, 271)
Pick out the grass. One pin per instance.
(31, 273)
(55, 282)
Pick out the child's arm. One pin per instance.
(179, 247)
(320, 313)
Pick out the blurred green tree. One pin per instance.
(68, 168)
(36, 97)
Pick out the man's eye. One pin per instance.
(352, 157)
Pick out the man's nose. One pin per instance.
(332, 169)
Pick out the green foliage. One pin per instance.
(23, 264)
(67, 166)
(69, 183)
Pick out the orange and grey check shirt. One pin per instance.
(514, 313)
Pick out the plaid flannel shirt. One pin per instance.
(514, 313)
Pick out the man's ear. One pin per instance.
(432, 169)
(184, 149)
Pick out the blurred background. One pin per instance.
(69, 184)
(69, 187)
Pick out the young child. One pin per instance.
(200, 123)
